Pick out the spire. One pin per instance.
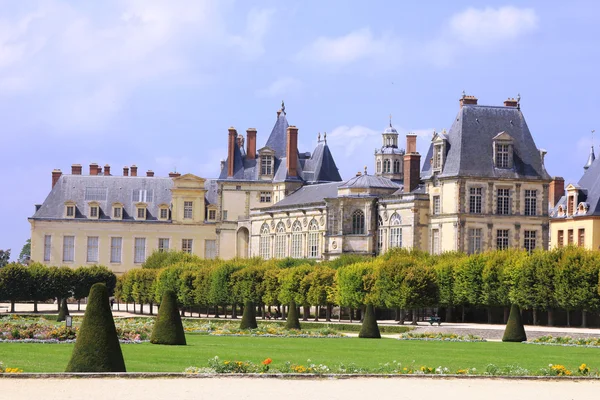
(390, 120)
(592, 156)
(325, 137)
(283, 107)
(319, 138)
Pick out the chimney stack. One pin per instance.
(292, 150)
(76, 169)
(231, 151)
(468, 100)
(149, 173)
(93, 169)
(134, 170)
(411, 143)
(510, 102)
(125, 171)
(107, 170)
(251, 143)
(174, 174)
(557, 190)
(56, 174)
(412, 164)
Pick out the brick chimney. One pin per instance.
(174, 174)
(150, 173)
(107, 170)
(134, 170)
(251, 144)
(510, 102)
(125, 171)
(412, 164)
(231, 151)
(468, 100)
(292, 151)
(56, 174)
(557, 190)
(76, 169)
(93, 169)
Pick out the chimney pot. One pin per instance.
(251, 144)
(93, 169)
(76, 169)
(149, 173)
(56, 174)
(510, 102)
(468, 100)
(174, 174)
(125, 171)
(134, 170)
(107, 170)
(411, 143)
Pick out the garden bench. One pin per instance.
(434, 319)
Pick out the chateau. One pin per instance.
(483, 185)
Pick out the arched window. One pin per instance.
(380, 232)
(378, 166)
(297, 240)
(313, 239)
(396, 166)
(264, 245)
(280, 241)
(386, 166)
(395, 231)
(358, 222)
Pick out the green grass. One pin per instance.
(365, 353)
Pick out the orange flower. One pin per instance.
(267, 361)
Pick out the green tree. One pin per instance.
(495, 288)
(168, 328)
(40, 285)
(514, 331)
(15, 280)
(25, 254)
(62, 279)
(4, 257)
(142, 288)
(291, 287)
(419, 288)
(319, 282)
(220, 293)
(468, 282)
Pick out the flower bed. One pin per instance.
(265, 330)
(446, 337)
(9, 370)
(566, 341)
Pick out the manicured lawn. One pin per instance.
(364, 353)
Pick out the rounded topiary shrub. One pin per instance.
(64, 311)
(97, 348)
(369, 328)
(292, 321)
(249, 316)
(515, 331)
(168, 328)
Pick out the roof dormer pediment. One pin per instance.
(572, 187)
(266, 151)
(503, 136)
(188, 181)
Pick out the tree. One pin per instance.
(15, 281)
(369, 328)
(419, 288)
(4, 257)
(468, 282)
(220, 290)
(168, 328)
(319, 282)
(25, 254)
(63, 311)
(494, 291)
(514, 331)
(61, 279)
(247, 286)
(40, 285)
(291, 288)
(142, 288)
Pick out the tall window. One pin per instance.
(581, 238)
(332, 221)
(571, 205)
(264, 244)
(378, 166)
(92, 249)
(210, 249)
(115, 249)
(68, 248)
(379, 234)
(164, 213)
(358, 222)
(297, 240)
(475, 200)
(163, 244)
(280, 241)
(502, 239)
(560, 240)
(570, 237)
(395, 231)
(265, 197)
(435, 241)
(212, 215)
(386, 166)
(436, 205)
(118, 212)
(141, 212)
(502, 155)
(529, 241)
(139, 250)
(474, 240)
(47, 247)
(94, 211)
(437, 156)
(503, 202)
(266, 165)
(70, 211)
(142, 196)
(530, 202)
(188, 209)
(313, 239)
(396, 166)
(186, 245)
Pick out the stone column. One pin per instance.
(517, 200)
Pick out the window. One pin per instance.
(502, 152)
(117, 212)
(570, 237)
(358, 222)
(560, 239)
(297, 240)
(212, 214)
(188, 208)
(92, 249)
(378, 166)
(224, 215)
(581, 238)
(332, 221)
(210, 249)
(47, 247)
(474, 240)
(163, 244)
(142, 196)
(68, 248)
(530, 202)
(475, 200)
(94, 211)
(396, 166)
(115, 249)
(70, 211)
(436, 205)
(502, 239)
(266, 165)
(139, 250)
(164, 213)
(141, 213)
(186, 245)
(529, 241)
(238, 187)
(95, 194)
(435, 241)
(265, 197)
(313, 239)
(437, 156)
(503, 199)
(395, 231)
(264, 242)
(280, 241)
(386, 166)
(571, 205)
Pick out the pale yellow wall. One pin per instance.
(591, 226)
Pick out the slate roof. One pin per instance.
(278, 138)
(469, 145)
(589, 191)
(365, 181)
(320, 167)
(309, 194)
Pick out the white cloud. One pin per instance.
(280, 87)
(251, 42)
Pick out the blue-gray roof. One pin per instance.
(588, 190)
(365, 181)
(309, 194)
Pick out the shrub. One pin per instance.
(97, 348)
(369, 327)
(168, 328)
(63, 312)
(292, 321)
(249, 316)
(515, 331)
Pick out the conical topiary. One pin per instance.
(292, 321)
(97, 348)
(249, 317)
(64, 311)
(515, 331)
(369, 328)
(168, 328)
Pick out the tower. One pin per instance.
(389, 158)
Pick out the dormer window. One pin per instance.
(437, 157)
(117, 211)
(140, 211)
(561, 211)
(502, 156)
(94, 210)
(212, 214)
(439, 152)
(266, 165)
(503, 150)
(69, 209)
(163, 212)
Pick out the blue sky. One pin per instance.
(157, 83)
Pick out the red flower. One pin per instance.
(267, 361)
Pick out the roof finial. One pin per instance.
(390, 120)
(283, 107)
(325, 137)
(319, 138)
(464, 94)
(593, 130)
(365, 170)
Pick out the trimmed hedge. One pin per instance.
(249, 316)
(369, 327)
(97, 348)
(64, 311)
(292, 321)
(515, 331)
(168, 328)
